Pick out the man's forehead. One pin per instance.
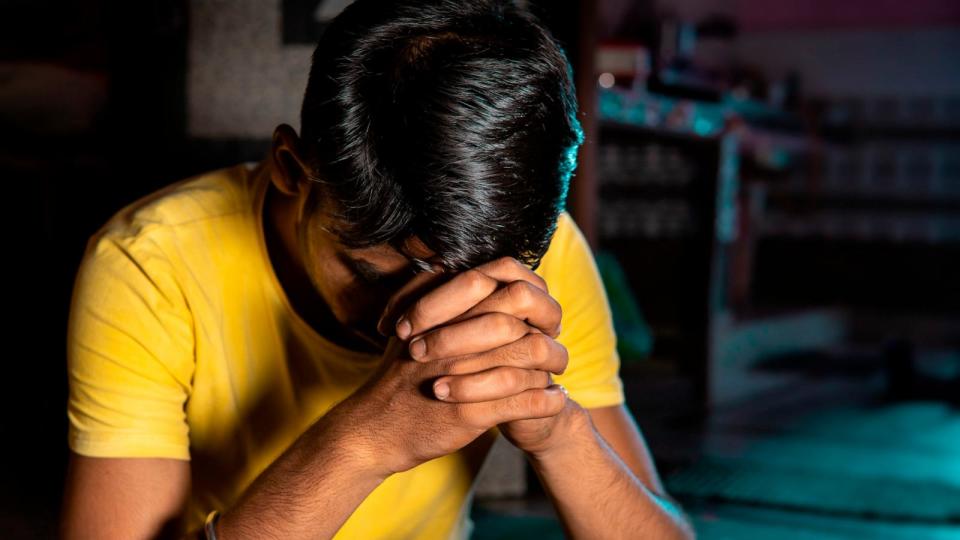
(387, 259)
(385, 256)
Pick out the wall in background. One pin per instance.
(242, 79)
(839, 62)
(856, 47)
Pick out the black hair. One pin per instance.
(452, 121)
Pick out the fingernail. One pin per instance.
(418, 348)
(441, 390)
(403, 328)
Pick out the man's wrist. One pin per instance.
(572, 429)
(352, 449)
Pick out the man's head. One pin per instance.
(447, 125)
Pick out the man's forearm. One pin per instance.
(597, 496)
(309, 491)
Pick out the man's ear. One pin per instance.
(288, 166)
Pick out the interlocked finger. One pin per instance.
(482, 333)
(533, 351)
(492, 384)
(532, 403)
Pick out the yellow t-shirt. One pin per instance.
(182, 344)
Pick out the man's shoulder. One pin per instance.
(178, 225)
(210, 195)
(566, 234)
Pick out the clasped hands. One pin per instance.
(480, 350)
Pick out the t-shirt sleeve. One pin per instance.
(592, 376)
(130, 351)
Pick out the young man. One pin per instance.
(327, 342)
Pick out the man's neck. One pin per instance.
(280, 238)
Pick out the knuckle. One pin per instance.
(538, 348)
(474, 280)
(521, 293)
(524, 379)
(501, 323)
(508, 263)
(520, 328)
(541, 282)
(502, 378)
(515, 266)
(519, 267)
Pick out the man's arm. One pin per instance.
(144, 498)
(602, 481)
(618, 428)
(124, 498)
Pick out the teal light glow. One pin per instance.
(703, 127)
(568, 162)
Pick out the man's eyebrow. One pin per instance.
(364, 268)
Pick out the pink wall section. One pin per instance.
(776, 15)
(891, 48)
(760, 15)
